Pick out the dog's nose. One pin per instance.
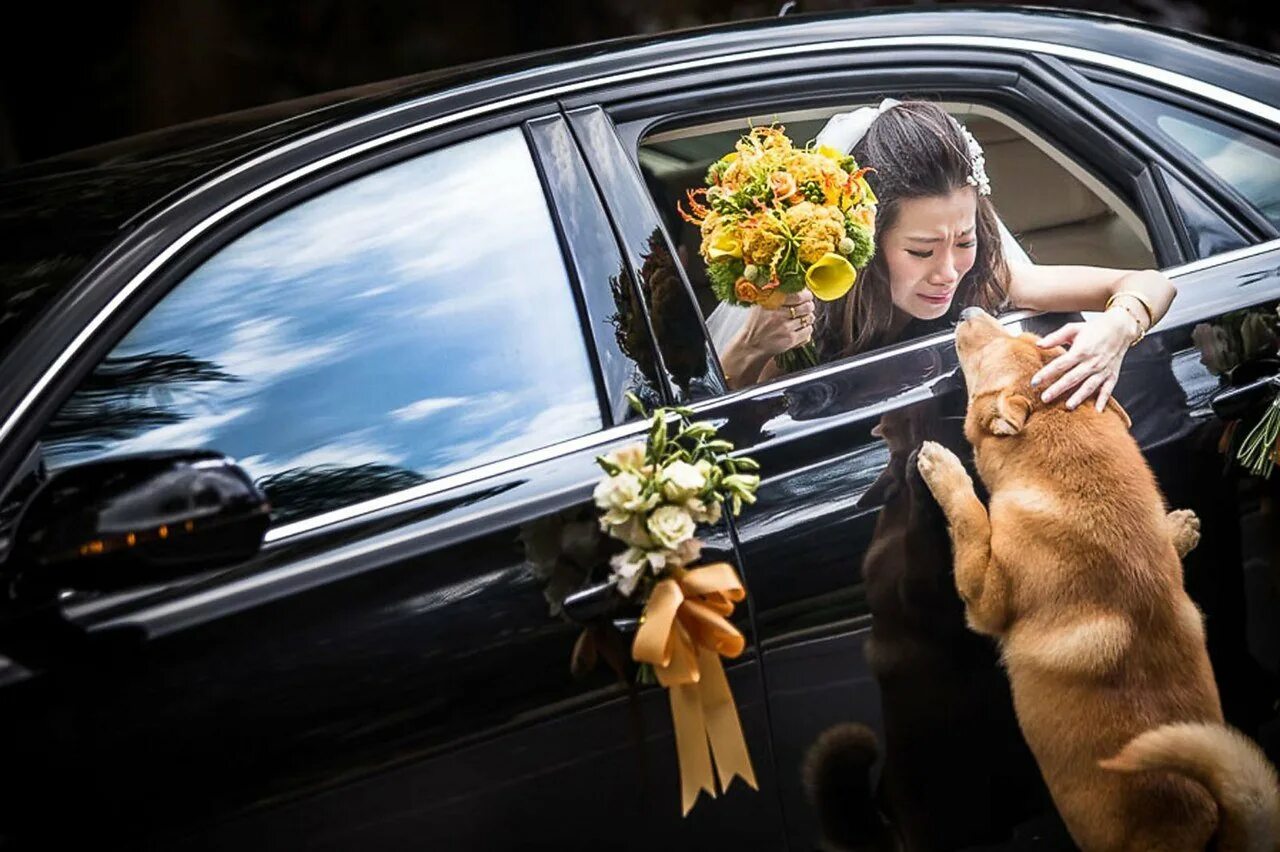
(971, 312)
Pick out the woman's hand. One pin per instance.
(766, 333)
(774, 331)
(1092, 362)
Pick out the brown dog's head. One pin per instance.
(997, 368)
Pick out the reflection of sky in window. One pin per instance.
(1245, 162)
(418, 317)
(1252, 167)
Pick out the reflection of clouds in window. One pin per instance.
(195, 432)
(570, 417)
(424, 408)
(262, 349)
(417, 318)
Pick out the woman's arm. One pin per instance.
(1063, 289)
(766, 333)
(1139, 299)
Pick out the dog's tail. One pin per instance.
(1226, 763)
(837, 779)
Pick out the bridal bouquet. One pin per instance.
(652, 498)
(655, 494)
(776, 219)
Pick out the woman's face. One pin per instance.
(928, 250)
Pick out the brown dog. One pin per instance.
(1075, 568)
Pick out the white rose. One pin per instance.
(1216, 351)
(670, 525)
(620, 496)
(681, 480)
(628, 458)
(632, 531)
(627, 569)
(703, 512)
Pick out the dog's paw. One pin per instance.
(1184, 529)
(942, 471)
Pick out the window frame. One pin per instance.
(1022, 86)
(117, 324)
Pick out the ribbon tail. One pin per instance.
(691, 744)
(724, 729)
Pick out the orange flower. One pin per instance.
(864, 216)
(782, 184)
(700, 210)
(746, 291)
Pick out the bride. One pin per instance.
(940, 248)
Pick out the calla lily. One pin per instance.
(725, 243)
(831, 277)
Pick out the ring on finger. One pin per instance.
(792, 309)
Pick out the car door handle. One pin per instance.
(593, 603)
(1234, 402)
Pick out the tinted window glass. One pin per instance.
(406, 325)
(1209, 235)
(1249, 164)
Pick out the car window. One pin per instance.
(409, 324)
(1245, 162)
(1052, 209)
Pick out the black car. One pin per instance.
(404, 663)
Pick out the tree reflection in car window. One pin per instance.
(409, 324)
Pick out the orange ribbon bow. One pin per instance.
(683, 632)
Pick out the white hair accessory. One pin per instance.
(978, 164)
(846, 129)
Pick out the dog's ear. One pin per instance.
(1124, 415)
(1010, 414)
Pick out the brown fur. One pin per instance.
(1076, 570)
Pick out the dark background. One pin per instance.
(72, 78)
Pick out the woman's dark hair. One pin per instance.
(916, 150)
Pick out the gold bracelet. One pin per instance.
(1141, 300)
(1141, 331)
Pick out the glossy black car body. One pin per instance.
(385, 674)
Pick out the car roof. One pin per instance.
(57, 214)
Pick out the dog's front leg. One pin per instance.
(980, 582)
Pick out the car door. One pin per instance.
(418, 357)
(885, 709)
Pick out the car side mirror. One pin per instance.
(132, 520)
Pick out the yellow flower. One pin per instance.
(868, 197)
(829, 152)
(761, 241)
(831, 277)
(817, 229)
(726, 242)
